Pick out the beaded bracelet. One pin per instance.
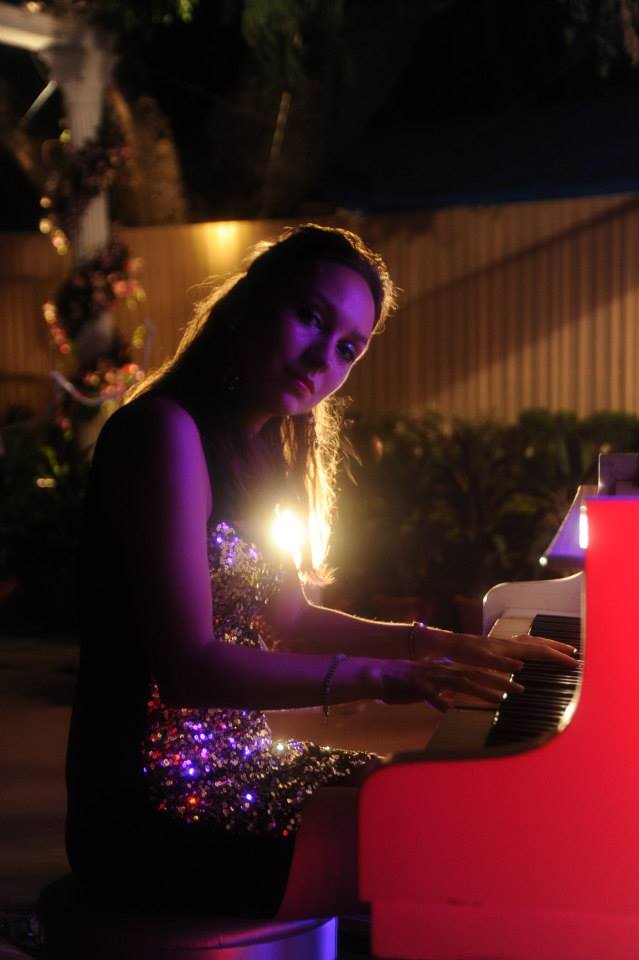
(412, 648)
(326, 682)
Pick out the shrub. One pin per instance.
(42, 481)
(443, 508)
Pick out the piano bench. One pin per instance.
(77, 928)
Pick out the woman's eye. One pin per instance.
(347, 352)
(310, 317)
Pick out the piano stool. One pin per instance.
(76, 928)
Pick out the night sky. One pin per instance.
(482, 101)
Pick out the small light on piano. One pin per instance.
(543, 561)
(583, 528)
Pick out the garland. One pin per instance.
(85, 172)
(93, 288)
(98, 283)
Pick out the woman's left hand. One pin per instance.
(506, 654)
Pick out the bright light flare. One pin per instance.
(287, 534)
(224, 231)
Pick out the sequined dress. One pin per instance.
(222, 767)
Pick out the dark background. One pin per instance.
(395, 105)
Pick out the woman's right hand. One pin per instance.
(411, 681)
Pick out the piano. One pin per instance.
(520, 840)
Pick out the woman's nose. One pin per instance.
(316, 356)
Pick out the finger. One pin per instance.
(491, 687)
(465, 685)
(557, 644)
(476, 651)
(546, 642)
(485, 657)
(537, 648)
(497, 681)
(435, 699)
(453, 677)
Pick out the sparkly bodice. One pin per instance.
(221, 765)
(242, 582)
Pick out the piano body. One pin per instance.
(525, 852)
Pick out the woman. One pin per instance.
(177, 793)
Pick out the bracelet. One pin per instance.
(412, 648)
(326, 682)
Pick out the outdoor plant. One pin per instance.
(378, 544)
(446, 509)
(42, 481)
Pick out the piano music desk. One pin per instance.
(533, 855)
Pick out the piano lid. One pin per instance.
(567, 545)
(618, 476)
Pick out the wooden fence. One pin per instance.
(503, 307)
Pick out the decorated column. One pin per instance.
(82, 70)
(95, 362)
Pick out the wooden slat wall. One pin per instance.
(30, 271)
(510, 307)
(503, 307)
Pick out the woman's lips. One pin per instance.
(301, 385)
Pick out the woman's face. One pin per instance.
(317, 327)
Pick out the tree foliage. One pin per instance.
(120, 15)
(288, 36)
(604, 29)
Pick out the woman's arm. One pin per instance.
(306, 627)
(153, 484)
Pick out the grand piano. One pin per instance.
(516, 836)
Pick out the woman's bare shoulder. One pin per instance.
(152, 412)
(152, 443)
(151, 422)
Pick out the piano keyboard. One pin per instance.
(549, 689)
(526, 719)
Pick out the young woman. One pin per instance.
(193, 626)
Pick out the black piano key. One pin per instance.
(549, 688)
(567, 629)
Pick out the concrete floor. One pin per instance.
(36, 683)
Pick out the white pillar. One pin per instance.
(82, 69)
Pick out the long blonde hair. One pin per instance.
(306, 449)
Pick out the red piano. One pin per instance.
(526, 845)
